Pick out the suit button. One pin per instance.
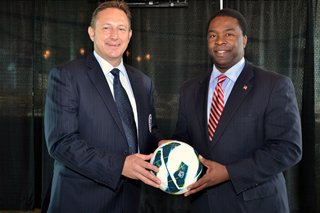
(125, 153)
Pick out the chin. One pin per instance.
(222, 66)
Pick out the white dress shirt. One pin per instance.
(124, 79)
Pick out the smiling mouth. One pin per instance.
(113, 45)
(221, 52)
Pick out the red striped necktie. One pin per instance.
(217, 105)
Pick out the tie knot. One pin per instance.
(221, 78)
(115, 72)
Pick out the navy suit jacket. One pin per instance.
(257, 138)
(84, 135)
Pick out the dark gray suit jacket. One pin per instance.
(257, 138)
(85, 136)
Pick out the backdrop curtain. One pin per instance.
(168, 44)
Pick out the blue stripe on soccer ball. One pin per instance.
(200, 165)
(180, 174)
(172, 188)
(167, 149)
(179, 166)
(157, 160)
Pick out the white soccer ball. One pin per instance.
(179, 166)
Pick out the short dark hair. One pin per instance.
(119, 4)
(234, 14)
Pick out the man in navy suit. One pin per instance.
(93, 169)
(258, 135)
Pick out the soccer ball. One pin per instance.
(179, 166)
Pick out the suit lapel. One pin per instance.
(201, 99)
(98, 79)
(138, 95)
(240, 90)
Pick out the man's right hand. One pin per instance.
(137, 167)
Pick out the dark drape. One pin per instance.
(17, 165)
(308, 185)
(169, 45)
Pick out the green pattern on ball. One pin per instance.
(167, 149)
(180, 174)
(176, 169)
(200, 165)
(157, 160)
(172, 188)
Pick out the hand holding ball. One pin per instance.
(178, 165)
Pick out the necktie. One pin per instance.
(125, 111)
(217, 105)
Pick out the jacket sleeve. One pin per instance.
(282, 145)
(63, 139)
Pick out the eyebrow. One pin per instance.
(229, 29)
(116, 25)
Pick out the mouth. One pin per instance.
(220, 53)
(112, 45)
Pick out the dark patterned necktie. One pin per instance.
(125, 111)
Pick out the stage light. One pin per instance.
(46, 54)
(82, 51)
(148, 57)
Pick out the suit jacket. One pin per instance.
(84, 135)
(257, 138)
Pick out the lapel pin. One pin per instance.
(245, 87)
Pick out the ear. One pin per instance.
(91, 33)
(245, 39)
(130, 34)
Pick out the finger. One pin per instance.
(195, 190)
(200, 184)
(148, 166)
(152, 167)
(148, 178)
(204, 161)
(144, 157)
(150, 182)
(153, 178)
(163, 142)
(194, 185)
(144, 168)
(197, 184)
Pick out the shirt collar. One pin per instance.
(106, 66)
(232, 73)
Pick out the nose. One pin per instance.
(114, 33)
(220, 40)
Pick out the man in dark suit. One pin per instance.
(95, 170)
(257, 136)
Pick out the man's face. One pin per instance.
(225, 42)
(111, 34)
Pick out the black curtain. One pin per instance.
(169, 45)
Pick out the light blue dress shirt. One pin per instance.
(232, 76)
